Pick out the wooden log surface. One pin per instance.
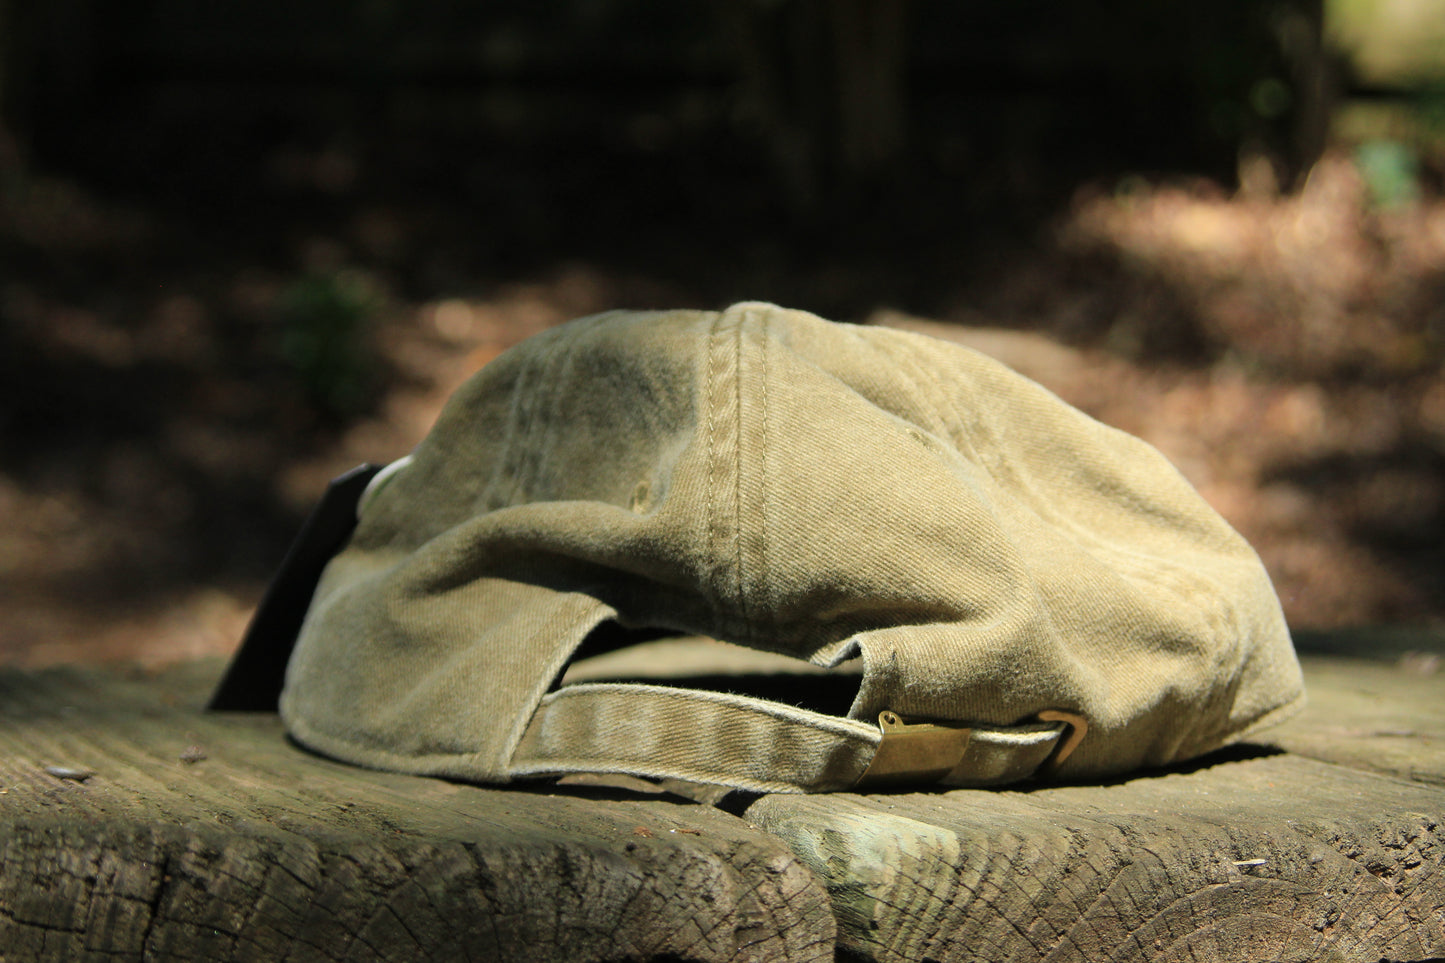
(1365, 714)
(1376, 702)
(1272, 858)
(1334, 851)
(132, 826)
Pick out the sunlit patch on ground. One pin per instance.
(1286, 352)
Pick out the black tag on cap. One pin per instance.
(258, 670)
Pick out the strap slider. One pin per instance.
(1077, 727)
(921, 752)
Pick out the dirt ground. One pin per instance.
(182, 366)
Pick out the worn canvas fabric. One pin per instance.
(834, 498)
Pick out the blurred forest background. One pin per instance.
(245, 245)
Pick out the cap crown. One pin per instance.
(791, 485)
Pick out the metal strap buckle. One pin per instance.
(1068, 742)
(926, 752)
(922, 752)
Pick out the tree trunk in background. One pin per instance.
(10, 50)
(871, 51)
(47, 67)
(1314, 79)
(825, 82)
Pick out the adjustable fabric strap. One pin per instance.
(713, 737)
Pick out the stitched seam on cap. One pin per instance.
(501, 487)
(770, 607)
(526, 465)
(532, 387)
(546, 424)
(714, 482)
(560, 380)
(738, 438)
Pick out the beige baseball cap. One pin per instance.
(797, 556)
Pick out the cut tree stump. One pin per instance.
(134, 826)
(1334, 851)
(1272, 858)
